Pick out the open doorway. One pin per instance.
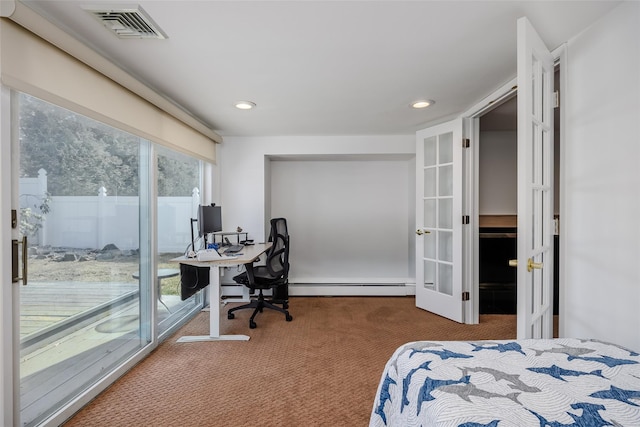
(497, 207)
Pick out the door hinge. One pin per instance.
(556, 99)
(465, 143)
(465, 296)
(465, 219)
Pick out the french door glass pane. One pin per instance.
(445, 246)
(430, 182)
(430, 274)
(430, 246)
(81, 313)
(430, 151)
(445, 181)
(445, 213)
(430, 213)
(445, 278)
(446, 148)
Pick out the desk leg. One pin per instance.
(214, 313)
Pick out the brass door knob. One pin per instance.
(530, 264)
(421, 231)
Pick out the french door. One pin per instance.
(535, 185)
(440, 193)
(439, 220)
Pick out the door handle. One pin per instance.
(530, 264)
(421, 231)
(14, 252)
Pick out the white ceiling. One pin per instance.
(325, 67)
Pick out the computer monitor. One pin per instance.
(209, 219)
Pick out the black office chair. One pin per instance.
(273, 275)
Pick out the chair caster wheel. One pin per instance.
(289, 318)
(230, 316)
(252, 324)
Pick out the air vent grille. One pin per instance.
(130, 23)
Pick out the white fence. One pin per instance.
(92, 222)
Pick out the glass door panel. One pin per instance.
(430, 189)
(445, 148)
(430, 151)
(81, 313)
(442, 175)
(178, 199)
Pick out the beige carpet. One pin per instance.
(321, 369)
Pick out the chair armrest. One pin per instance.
(250, 275)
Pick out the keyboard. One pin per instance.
(233, 248)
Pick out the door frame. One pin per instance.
(472, 117)
(472, 179)
(9, 381)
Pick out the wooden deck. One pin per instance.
(51, 314)
(71, 334)
(51, 310)
(44, 304)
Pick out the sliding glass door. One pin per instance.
(103, 213)
(84, 309)
(179, 178)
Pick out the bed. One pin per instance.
(557, 382)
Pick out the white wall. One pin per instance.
(600, 232)
(498, 170)
(247, 171)
(349, 219)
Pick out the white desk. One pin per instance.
(247, 255)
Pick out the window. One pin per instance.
(178, 198)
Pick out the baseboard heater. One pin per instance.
(335, 290)
(341, 287)
(351, 287)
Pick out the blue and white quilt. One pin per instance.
(559, 382)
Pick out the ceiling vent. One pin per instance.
(128, 23)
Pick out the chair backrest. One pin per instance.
(278, 255)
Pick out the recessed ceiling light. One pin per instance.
(245, 105)
(423, 103)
